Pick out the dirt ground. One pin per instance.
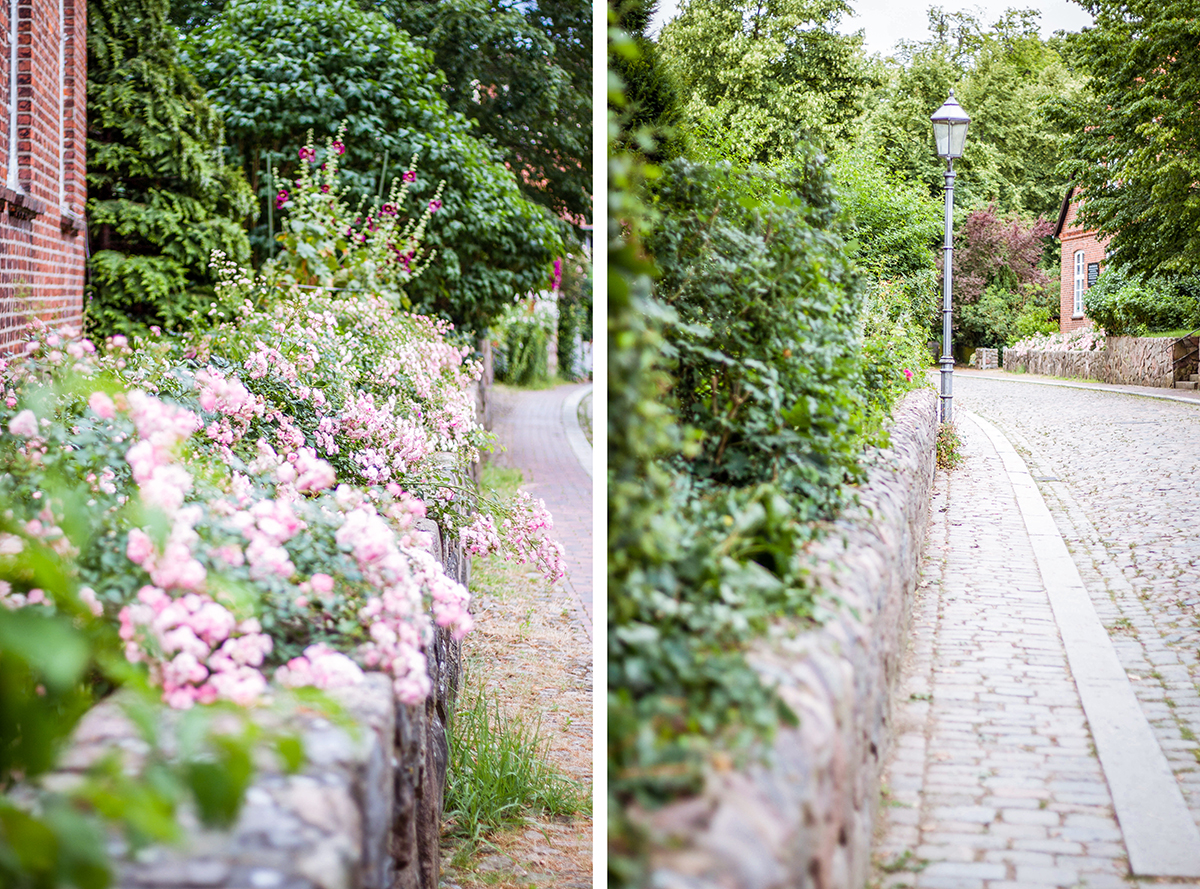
(532, 654)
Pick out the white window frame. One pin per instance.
(13, 177)
(1080, 282)
(62, 105)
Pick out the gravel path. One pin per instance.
(995, 781)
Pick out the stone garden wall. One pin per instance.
(1125, 361)
(363, 813)
(803, 817)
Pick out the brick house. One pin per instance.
(43, 128)
(1083, 255)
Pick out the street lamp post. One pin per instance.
(950, 132)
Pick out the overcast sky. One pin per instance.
(886, 21)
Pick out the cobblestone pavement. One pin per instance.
(530, 426)
(994, 781)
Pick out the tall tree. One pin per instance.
(160, 198)
(279, 68)
(1134, 144)
(652, 106)
(522, 73)
(1008, 79)
(759, 74)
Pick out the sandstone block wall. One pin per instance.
(364, 812)
(803, 817)
(1125, 361)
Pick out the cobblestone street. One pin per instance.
(999, 778)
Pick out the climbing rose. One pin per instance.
(24, 424)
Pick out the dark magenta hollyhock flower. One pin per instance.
(434, 206)
(324, 189)
(339, 147)
(281, 198)
(410, 175)
(308, 154)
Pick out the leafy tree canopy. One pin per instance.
(1007, 79)
(1134, 134)
(653, 118)
(758, 75)
(160, 199)
(523, 74)
(278, 68)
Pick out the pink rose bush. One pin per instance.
(241, 500)
(1082, 339)
(248, 523)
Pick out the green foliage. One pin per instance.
(1124, 303)
(949, 447)
(160, 199)
(765, 354)
(523, 74)
(758, 78)
(376, 249)
(653, 98)
(897, 224)
(524, 340)
(894, 352)
(279, 68)
(991, 320)
(498, 774)
(1132, 137)
(1034, 319)
(55, 660)
(1007, 79)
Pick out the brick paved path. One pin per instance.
(994, 781)
(531, 426)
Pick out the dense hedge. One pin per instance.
(766, 359)
(1126, 304)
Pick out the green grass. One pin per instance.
(1172, 334)
(502, 481)
(498, 774)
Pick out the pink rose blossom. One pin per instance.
(24, 424)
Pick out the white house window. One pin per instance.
(62, 109)
(1080, 283)
(12, 178)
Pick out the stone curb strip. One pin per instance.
(1160, 835)
(575, 437)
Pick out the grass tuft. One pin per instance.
(498, 774)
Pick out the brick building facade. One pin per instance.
(1083, 257)
(43, 128)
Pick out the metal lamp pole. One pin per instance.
(947, 359)
(950, 131)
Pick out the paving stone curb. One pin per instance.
(804, 816)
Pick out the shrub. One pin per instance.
(765, 352)
(160, 199)
(523, 334)
(275, 70)
(893, 348)
(1127, 304)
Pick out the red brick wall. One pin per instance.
(43, 240)
(1074, 240)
